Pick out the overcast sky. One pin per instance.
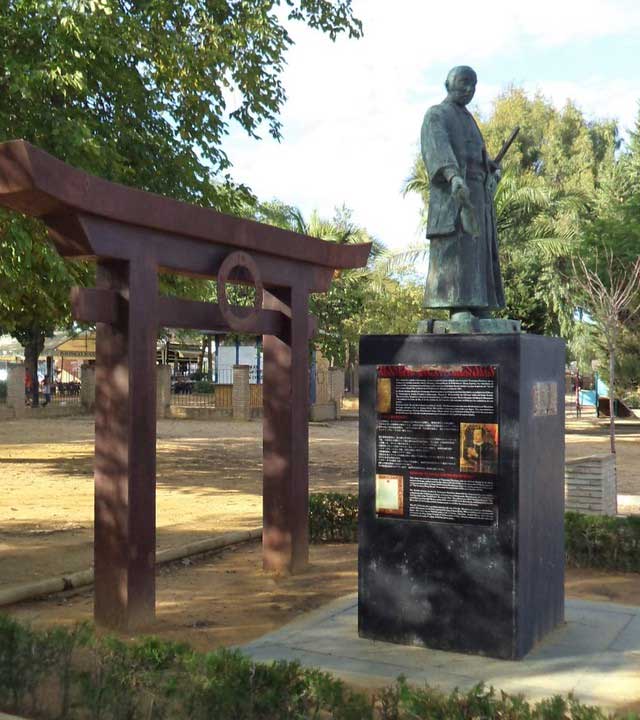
(352, 119)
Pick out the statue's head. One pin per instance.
(461, 84)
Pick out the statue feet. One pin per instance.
(467, 315)
(469, 322)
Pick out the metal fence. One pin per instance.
(62, 394)
(187, 392)
(192, 393)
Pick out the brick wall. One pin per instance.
(590, 485)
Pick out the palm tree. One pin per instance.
(339, 309)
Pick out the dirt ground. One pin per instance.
(198, 600)
(222, 598)
(209, 482)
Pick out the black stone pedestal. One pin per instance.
(461, 530)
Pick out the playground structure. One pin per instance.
(132, 235)
(599, 399)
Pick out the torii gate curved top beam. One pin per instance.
(40, 185)
(132, 235)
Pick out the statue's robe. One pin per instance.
(464, 271)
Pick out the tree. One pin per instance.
(34, 288)
(392, 307)
(611, 291)
(139, 93)
(339, 309)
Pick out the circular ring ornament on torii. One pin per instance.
(244, 321)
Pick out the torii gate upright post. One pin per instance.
(125, 447)
(133, 235)
(285, 499)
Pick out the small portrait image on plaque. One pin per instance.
(383, 395)
(479, 448)
(389, 495)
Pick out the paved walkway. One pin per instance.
(595, 655)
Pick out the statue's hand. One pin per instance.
(496, 171)
(460, 191)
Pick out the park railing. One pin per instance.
(186, 392)
(67, 393)
(192, 393)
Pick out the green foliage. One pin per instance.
(403, 702)
(145, 92)
(29, 659)
(340, 310)
(615, 222)
(141, 93)
(373, 300)
(606, 271)
(603, 542)
(108, 679)
(560, 145)
(590, 540)
(333, 517)
(204, 387)
(150, 679)
(392, 307)
(545, 199)
(632, 400)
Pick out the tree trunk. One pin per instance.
(33, 342)
(612, 399)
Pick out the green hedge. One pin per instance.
(602, 542)
(203, 387)
(73, 675)
(333, 517)
(590, 540)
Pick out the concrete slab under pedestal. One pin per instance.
(595, 655)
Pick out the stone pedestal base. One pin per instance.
(461, 502)
(472, 326)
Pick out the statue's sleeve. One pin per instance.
(437, 152)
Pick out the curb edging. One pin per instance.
(84, 578)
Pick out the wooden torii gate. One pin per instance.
(132, 235)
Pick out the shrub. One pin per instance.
(402, 702)
(154, 680)
(633, 400)
(203, 387)
(595, 541)
(591, 541)
(28, 661)
(333, 517)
